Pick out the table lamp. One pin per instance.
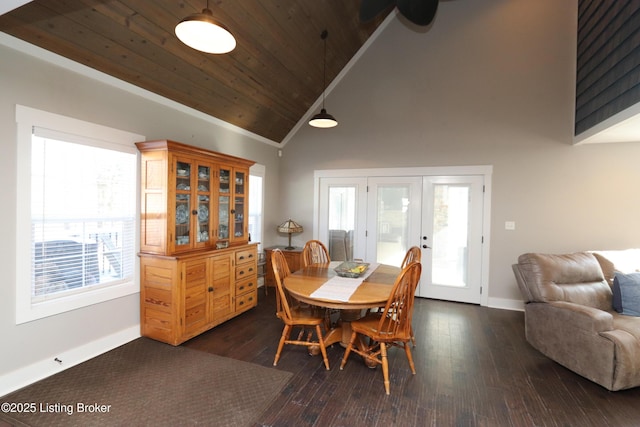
(290, 226)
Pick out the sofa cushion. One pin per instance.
(618, 261)
(626, 294)
(575, 278)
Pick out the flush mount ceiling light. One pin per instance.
(323, 119)
(202, 32)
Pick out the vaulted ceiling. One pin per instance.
(265, 86)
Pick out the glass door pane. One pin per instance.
(394, 215)
(183, 203)
(342, 217)
(224, 207)
(450, 234)
(239, 205)
(204, 204)
(238, 217)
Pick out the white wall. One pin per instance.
(490, 83)
(28, 349)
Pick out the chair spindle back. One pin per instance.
(414, 254)
(315, 252)
(398, 312)
(281, 271)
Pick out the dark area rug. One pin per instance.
(145, 382)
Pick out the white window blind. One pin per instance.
(77, 206)
(83, 202)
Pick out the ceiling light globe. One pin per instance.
(201, 32)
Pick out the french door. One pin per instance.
(451, 241)
(377, 219)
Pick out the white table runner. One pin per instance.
(341, 288)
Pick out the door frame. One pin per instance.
(485, 170)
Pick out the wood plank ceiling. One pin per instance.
(264, 86)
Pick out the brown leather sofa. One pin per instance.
(569, 317)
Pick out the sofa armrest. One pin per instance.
(574, 336)
(627, 372)
(581, 317)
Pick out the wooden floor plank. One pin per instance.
(473, 368)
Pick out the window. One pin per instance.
(77, 214)
(256, 194)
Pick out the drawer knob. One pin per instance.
(210, 289)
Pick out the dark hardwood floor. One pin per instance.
(474, 368)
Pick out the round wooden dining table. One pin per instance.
(373, 292)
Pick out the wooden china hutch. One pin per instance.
(197, 267)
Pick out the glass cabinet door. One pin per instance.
(239, 206)
(203, 217)
(183, 204)
(224, 205)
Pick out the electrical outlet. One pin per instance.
(510, 225)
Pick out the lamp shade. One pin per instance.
(323, 120)
(201, 32)
(290, 226)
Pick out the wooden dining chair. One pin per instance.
(315, 252)
(414, 254)
(308, 318)
(390, 327)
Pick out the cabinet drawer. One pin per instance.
(247, 300)
(247, 270)
(246, 285)
(246, 255)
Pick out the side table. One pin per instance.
(294, 261)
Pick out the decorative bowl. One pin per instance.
(351, 269)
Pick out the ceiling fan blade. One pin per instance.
(420, 12)
(369, 9)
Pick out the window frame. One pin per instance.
(27, 119)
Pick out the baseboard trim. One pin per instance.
(22, 377)
(506, 304)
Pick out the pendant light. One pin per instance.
(323, 119)
(202, 32)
